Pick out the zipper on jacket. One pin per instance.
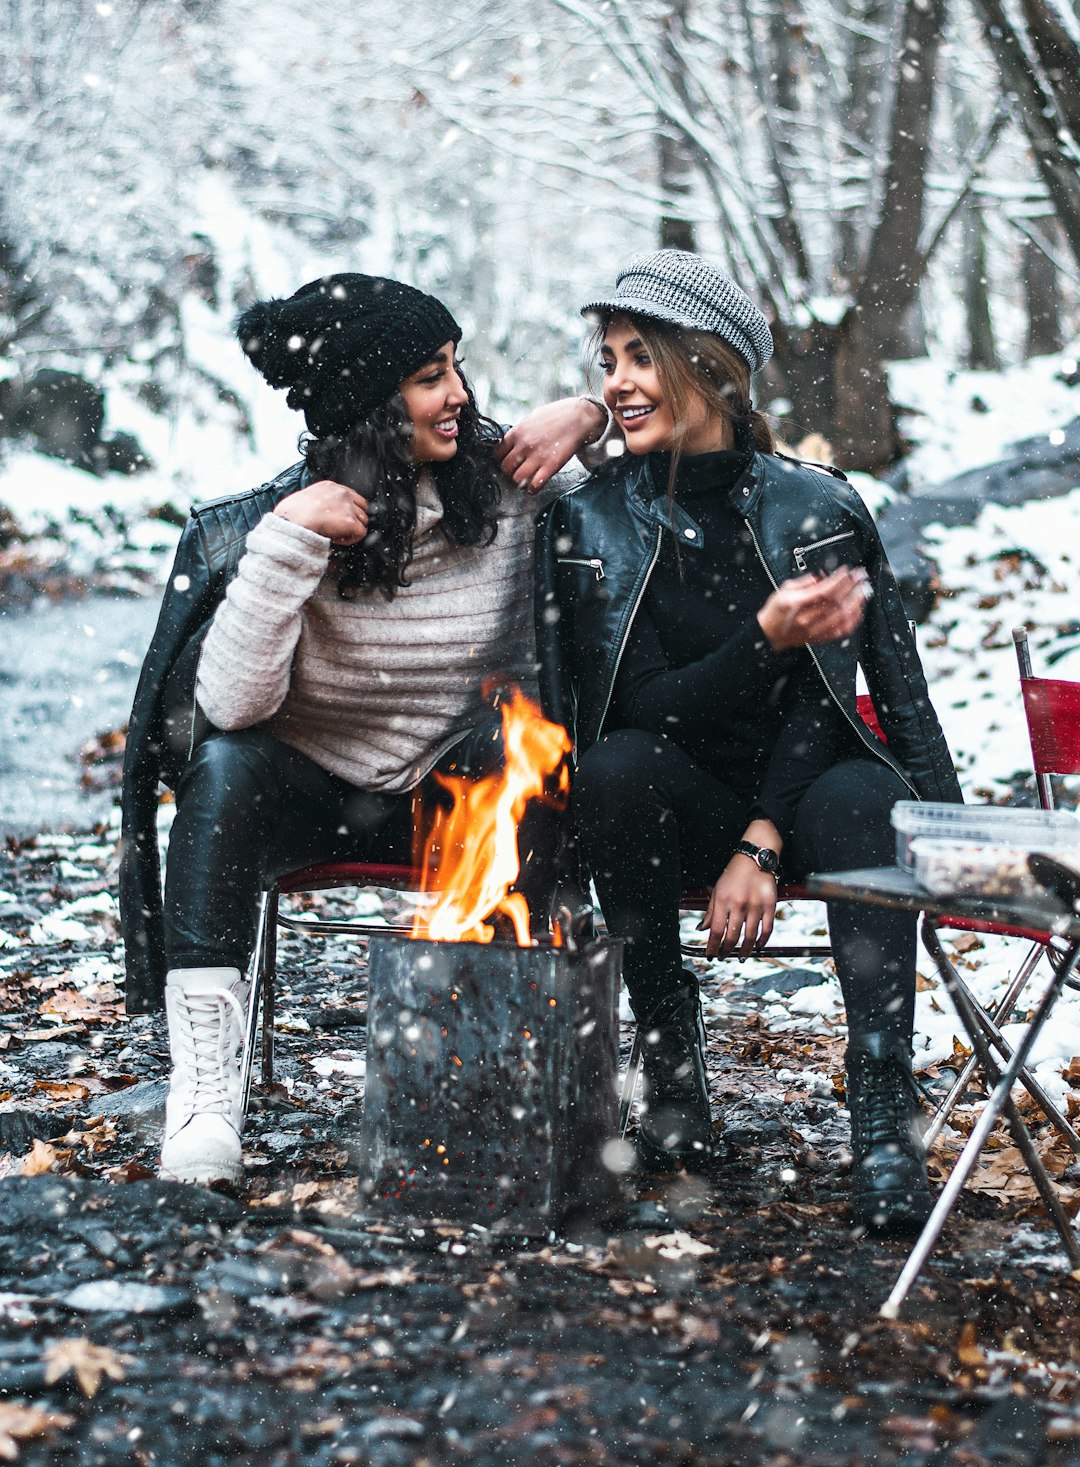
(856, 722)
(593, 562)
(800, 552)
(629, 624)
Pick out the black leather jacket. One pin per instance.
(596, 550)
(165, 725)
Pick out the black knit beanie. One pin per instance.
(343, 344)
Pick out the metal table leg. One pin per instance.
(999, 1100)
(988, 1024)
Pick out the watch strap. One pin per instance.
(767, 860)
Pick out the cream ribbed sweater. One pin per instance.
(373, 689)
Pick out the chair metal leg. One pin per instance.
(990, 1023)
(251, 1021)
(269, 975)
(999, 1100)
(630, 1085)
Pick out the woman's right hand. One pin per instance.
(809, 610)
(329, 509)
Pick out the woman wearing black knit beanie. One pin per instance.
(326, 647)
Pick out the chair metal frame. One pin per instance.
(1053, 751)
(326, 876)
(1047, 754)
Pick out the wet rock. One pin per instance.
(341, 1018)
(19, 1128)
(145, 1101)
(44, 1202)
(1034, 468)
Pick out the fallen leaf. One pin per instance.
(304, 1191)
(26, 1423)
(63, 1089)
(967, 1348)
(970, 942)
(678, 1245)
(130, 1171)
(89, 1363)
(44, 1158)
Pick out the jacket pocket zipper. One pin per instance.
(594, 564)
(800, 552)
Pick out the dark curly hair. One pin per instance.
(374, 459)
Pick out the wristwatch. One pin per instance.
(768, 860)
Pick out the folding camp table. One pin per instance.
(1053, 920)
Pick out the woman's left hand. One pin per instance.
(739, 917)
(547, 439)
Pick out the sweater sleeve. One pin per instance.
(813, 737)
(688, 703)
(246, 659)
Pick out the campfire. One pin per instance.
(491, 1066)
(469, 855)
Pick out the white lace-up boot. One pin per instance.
(206, 1010)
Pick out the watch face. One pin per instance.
(768, 861)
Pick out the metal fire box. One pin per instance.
(491, 1082)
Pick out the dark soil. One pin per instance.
(725, 1320)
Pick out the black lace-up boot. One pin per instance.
(890, 1193)
(675, 1128)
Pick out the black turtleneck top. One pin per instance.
(699, 669)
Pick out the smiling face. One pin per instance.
(434, 397)
(637, 397)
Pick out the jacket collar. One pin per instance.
(651, 503)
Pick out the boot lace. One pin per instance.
(208, 1034)
(883, 1114)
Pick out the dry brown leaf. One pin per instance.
(1071, 1072)
(970, 942)
(63, 1089)
(130, 1171)
(967, 1348)
(68, 1004)
(89, 1363)
(26, 1423)
(925, 985)
(45, 1158)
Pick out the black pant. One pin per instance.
(250, 808)
(652, 823)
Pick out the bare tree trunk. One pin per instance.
(1040, 276)
(1059, 58)
(1042, 111)
(864, 432)
(675, 163)
(981, 349)
(867, 87)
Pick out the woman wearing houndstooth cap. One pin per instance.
(705, 606)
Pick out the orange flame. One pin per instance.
(470, 854)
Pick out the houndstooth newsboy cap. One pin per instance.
(685, 290)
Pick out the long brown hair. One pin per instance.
(695, 364)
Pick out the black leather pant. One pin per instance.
(652, 823)
(250, 808)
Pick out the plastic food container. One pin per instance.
(955, 868)
(1002, 827)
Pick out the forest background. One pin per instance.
(890, 178)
